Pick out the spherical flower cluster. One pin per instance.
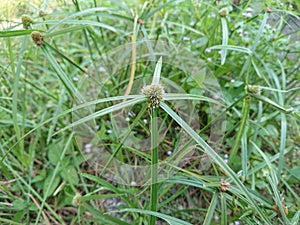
(37, 37)
(224, 12)
(154, 93)
(26, 21)
(253, 89)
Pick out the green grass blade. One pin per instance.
(176, 96)
(211, 209)
(97, 197)
(224, 39)
(283, 135)
(65, 30)
(292, 191)
(65, 57)
(296, 115)
(156, 75)
(10, 222)
(169, 219)
(104, 218)
(271, 102)
(170, 23)
(260, 31)
(61, 74)
(103, 112)
(278, 200)
(244, 148)
(109, 186)
(76, 22)
(157, 9)
(15, 33)
(223, 209)
(232, 48)
(86, 12)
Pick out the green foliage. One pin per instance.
(69, 72)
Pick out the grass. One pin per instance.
(84, 140)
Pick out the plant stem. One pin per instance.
(246, 109)
(154, 161)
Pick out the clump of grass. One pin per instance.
(51, 131)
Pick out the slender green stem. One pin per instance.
(283, 135)
(154, 148)
(224, 39)
(246, 108)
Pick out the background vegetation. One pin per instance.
(250, 47)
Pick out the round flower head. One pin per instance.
(37, 37)
(26, 21)
(42, 13)
(154, 93)
(253, 89)
(224, 12)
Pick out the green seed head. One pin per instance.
(42, 13)
(253, 89)
(154, 93)
(26, 21)
(224, 12)
(224, 185)
(37, 37)
(267, 10)
(76, 200)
